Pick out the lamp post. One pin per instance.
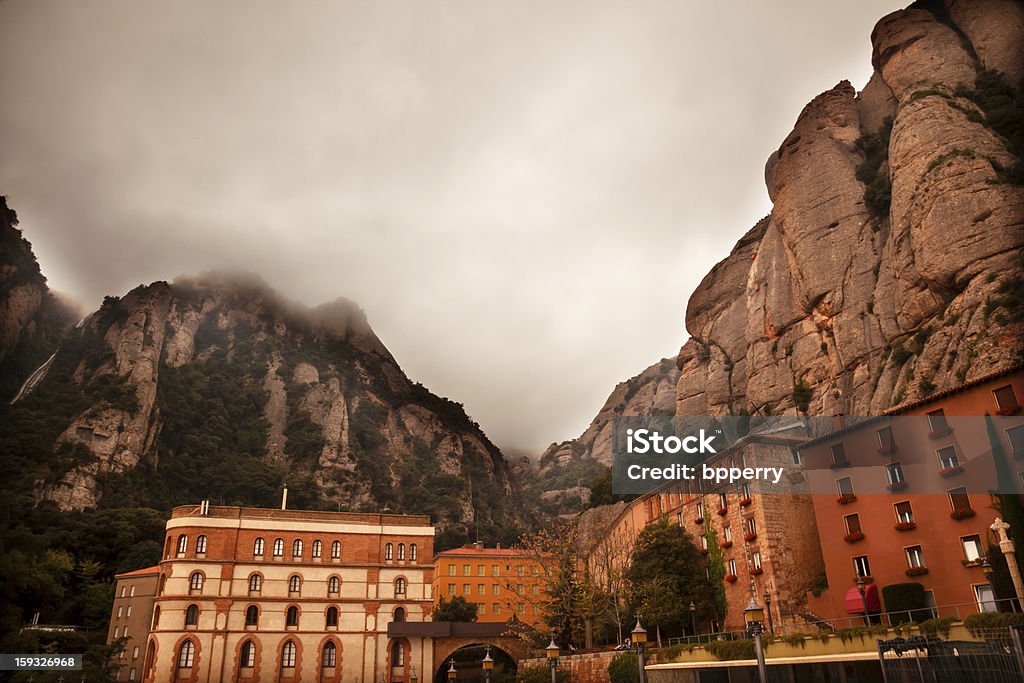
(861, 586)
(452, 673)
(413, 678)
(753, 615)
(768, 609)
(639, 641)
(693, 618)
(488, 665)
(552, 652)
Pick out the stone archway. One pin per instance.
(505, 650)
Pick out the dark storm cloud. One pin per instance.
(522, 195)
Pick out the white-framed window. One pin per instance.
(257, 547)
(972, 547)
(135, 652)
(288, 655)
(751, 525)
(959, 498)
(947, 457)
(496, 589)
(723, 501)
(796, 457)
(247, 659)
(294, 583)
(128, 612)
(186, 655)
(401, 553)
(852, 523)
(894, 471)
(886, 443)
(201, 544)
(297, 547)
(336, 550)
(985, 597)
(937, 422)
(727, 533)
(904, 512)
(837, 453)
(704, 541)
(1016, 438)
(679, 518)
(132, 674)
(278, 547)
(317, 550)
(755, 559)
(400, 587)
(745, 489)
(1006, 399)
(451, 570)
(700, 510)
(389, 551)
(119, 609)
(732, 567)
(182, 545)
(845, 486)
(413, 553)
(915, 556)
(195, 583)
(861, 566)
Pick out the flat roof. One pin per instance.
(769, 661)
(483, 553)
(235, 512)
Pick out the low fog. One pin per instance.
(521, 195)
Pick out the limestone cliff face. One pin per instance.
(31, 317)
(887, 268)
(217, 387)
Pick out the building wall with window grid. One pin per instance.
(512, 582)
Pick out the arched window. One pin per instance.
(278, 547)
(400, 614)
(332, 616)
(163, 583)
(195, 583)
(167, 547)
(156, 616)
(291, 617)
(252, 615)
(191, 615)
(255, 583)
(399, 586)
(397, 655)
(150, 658)
(336, 550)
(186, 654)
(247, 659)
(389, 551)
(329, 660)
(288, 655)
(401, 551)
(333, 584)
(294, 583)
(257, 547)
(412, 552)
(297, 547)
(318, 548)
(201, 544)
(182, 545)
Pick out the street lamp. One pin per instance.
(753, 615)
(861, 586)
(488, 664)
(552, 652)
(639, 641)
(768, 609)
(693, 618)
(413, 678)
(452, 673)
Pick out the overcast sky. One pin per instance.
(521, 195)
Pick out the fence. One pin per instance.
(998, 657)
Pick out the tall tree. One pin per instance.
(666, 573)
(458, 609)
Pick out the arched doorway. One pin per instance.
(469, 663)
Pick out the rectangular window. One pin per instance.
(495, 608)
(534, 589)
(727, 533)
(838, 454)
(520, 571)
(972, 547)
(679, 518)
(852, 523)
(937, 421)
(135, 652)
(495, 570)
(959, 499)
(465, 570)
(904, 513)
(894, 471)
(723, 501)
(746, 491)
(467, 589)
(1006, 400)
(131, 591)
(796, 457)
(451, 570)
(986, 598)
(845, 486)
(732, 567)
(1016, 437)
(704, 541)
(700, 510)
(755, 559)
(496, 589)
(534, 570)
(861, 566)
(519, 589)
(947, 457)
(119, 612)
(451, 589)
(886, 444)
(915, 557)
(128, 612)
(481, 570)
(751, 525)
(481, 589)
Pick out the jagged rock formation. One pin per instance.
(216, 387)
(888, 267)
(31, 317)
(566, 469)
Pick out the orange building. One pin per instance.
(908, 498)
(501, 581)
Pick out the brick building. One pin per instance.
(904, 497)
(766, 533)
(502, 581)
(250, 594)
(131, 616)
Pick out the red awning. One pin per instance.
(854, 605)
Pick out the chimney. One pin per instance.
(838, 422)
(479, 545)
(497, 546)
(284, 498)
